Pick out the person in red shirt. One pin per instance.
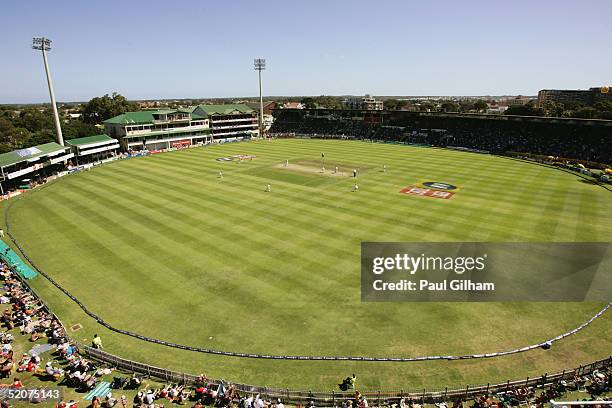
(17, 383)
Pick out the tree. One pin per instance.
(427, 106)
(449, 106)
(587, 112)
(604, 110)
(105, 107)
(77, 128)
(308, 103)
(8, 135)
(35, 119)
(395, 104)
(529, 109)
(480, 105)
(329, 102)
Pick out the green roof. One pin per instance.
(126, 118)
(145, 116)
(89, 140)
(225, 109)
(21, 155)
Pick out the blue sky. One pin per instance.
(161, 49)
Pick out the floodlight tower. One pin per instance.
(44, 44)
(260, 65)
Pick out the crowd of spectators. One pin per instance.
(569, 141)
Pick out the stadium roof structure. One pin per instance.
(146, 116)
(30, 154)
(226, 109)
(90, 140)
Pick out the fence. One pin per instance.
(332, 398)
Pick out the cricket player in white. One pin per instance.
(268, 188)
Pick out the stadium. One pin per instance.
(241, 260)
(393, 205)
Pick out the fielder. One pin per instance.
(355, 187)
(268, 188)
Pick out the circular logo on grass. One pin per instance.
(439, 185)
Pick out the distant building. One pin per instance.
(293, 105)
(519, 100)
(366, 102)
(574, 96)
(177, 128)
(268, 107)
(499, 109)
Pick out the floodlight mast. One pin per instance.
(260, 65)
(44, 44)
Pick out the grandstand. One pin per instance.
(586, 140)
(176, 128)
(93, 148)
(24, 167)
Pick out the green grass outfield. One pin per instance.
(163, 247)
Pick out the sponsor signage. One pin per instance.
(30, 151)
(24, 171)
(180, 143)
(238, 157)
(437, 185)
(433, 189)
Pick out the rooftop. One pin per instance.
(146, 116)
(226, 109)
(89, 140)
(22, 155)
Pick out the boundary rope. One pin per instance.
(102, 322)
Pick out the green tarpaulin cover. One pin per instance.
(11, 258)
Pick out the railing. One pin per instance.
(333, 398)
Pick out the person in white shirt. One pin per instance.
(149, 398)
